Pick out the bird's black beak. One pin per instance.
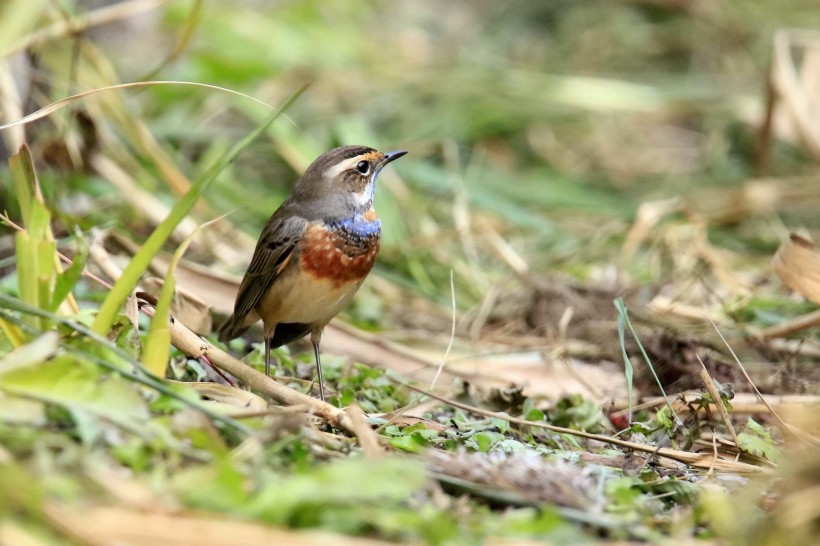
(391, 156)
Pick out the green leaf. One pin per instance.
(501, 424)
(67, 279)
(531, 413)
(220, 487)
(510, 446)
(620, 322)
(412, 443)
(665, 419)
(486, 439)
(35, 250)
(26, 251)
(46, 276)
(756, 440)
(158, 340)
(98, 350)
(79, 386)
(623, 493)
(346, 482)
(38, 350)
(24, 178)
(40, 222)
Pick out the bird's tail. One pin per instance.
(232, 328)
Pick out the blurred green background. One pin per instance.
(543, 124)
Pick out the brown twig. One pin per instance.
(194, 346)
(695, 460)
(792, 326)
(713, 392)
(368, 439)
(744, 403)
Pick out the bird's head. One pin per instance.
(343, 180)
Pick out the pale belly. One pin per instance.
(303, 299)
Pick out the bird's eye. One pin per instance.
(363, 167)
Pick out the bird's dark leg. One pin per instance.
(314, 339)
(267, 356)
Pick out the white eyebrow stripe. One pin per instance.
(341, 167)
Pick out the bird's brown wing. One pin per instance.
(273, 252)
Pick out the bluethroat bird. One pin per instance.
(314, 252)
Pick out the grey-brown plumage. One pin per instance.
(314, 251)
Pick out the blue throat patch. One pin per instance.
(358, 225)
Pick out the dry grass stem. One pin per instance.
(742, 403)
(804, 437)
(231, 396)
(695, 460)
(792, 85)
(791, 327)
(718, 402)
(452, 332)
(368, 439)
(503, 249)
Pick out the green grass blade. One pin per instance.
(46, 276)
(628, 371)
(13, 333)
(37, 350)
(19, 17)
(158, 340)
(140, 262)
(23, 177)
(68, 278)
(623, 320)
(26, 250)
(143, 376)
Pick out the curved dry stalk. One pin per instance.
(62, 103)
(804, 437)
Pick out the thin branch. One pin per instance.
(692, 459)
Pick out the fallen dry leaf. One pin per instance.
(797, 263)
(231, 396)
(195, 313)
